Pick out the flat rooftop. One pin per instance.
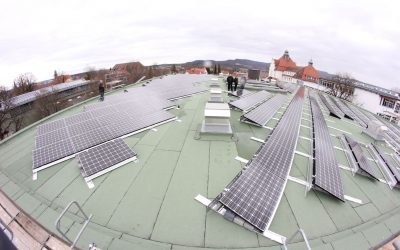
(149, 204)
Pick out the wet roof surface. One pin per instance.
(149, 204)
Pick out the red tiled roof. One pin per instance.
(285, 63)
(306, 72)
(197, 71)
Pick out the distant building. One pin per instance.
(196, 71)
(254, 74)
(116, 77)
(61, 79)
(308, 73)
(285, 69)
(240, 74)
(127, 72)
(263, 75)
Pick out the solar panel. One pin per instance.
(179, 93)
(98, 105)
(51, 153)
(51, 137)
(50, 126)
(110, 119)
(103, 111)
(347, 112)
(263, 113)
(326, 167)
(240, 93)
(247, 102)
(83, 127)
(390, 163)
(104, 158)
(132, 125)
(78, 118)
(394, 133)
(350, 113)
(361, 159)
(91, 138)
(255, 194)
(319, 101)
(333, 109)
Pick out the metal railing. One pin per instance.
(58, 223)
(303, 235)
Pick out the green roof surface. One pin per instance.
(149, 204)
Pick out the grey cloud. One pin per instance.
(361, 38)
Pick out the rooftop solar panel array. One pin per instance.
(250, 101)
(390, 163)
(333, 109)
(103, 158)
(326, 167)
(120, 115)
(255, 194)
(361, 159)
(393, 135)
(32, 96)
(263, 113)
(95, 131)
(347, 112)
(365, 120)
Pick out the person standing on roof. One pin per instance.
(230, 81)
(101, 90)
(236, 81)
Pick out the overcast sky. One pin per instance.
(359, 37)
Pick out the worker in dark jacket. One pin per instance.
(230, 81)
(101, 90)
(236, 81)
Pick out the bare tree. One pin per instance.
(24, 83)
(91, 73)
(10, 120)
(150, 73)
(5, 107)
(46, 103)
(17, 121)
(342, 86)
(173, 69)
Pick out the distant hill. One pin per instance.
(233, 64)
(324, 74)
